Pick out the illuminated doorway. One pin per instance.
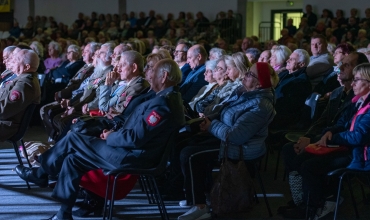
(279, 20)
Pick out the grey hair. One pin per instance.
(94, 47)
(39, 49)
(9, 49)
(199, 49)
(186, 46)
(171, 67)
(303, 56)
(211, 64)
(254, 52)
(75, 49)
(132, 57)
(111, 47)
(55, 45)
(218, 52)
(281, 52)
(31, 58)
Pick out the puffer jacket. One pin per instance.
(244, 121)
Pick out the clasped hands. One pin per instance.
(303, 142)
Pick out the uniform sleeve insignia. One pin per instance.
(14, 96)
(128, 99)
(153, 118)
(96, 81)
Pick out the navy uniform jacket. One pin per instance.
(146, 95)
(185, 70)
(64, 73)
(193, 83)
(140, 142)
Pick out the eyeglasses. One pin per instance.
(68, 52)
(148, 67)
(356, 80)
(218, 68)
(5, 58)
(250, 74)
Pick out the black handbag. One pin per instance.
(92, 126)
(233, 192)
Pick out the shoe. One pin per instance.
(55, 217)
(196, 213)
(184, 204)
(26, 174)
(329, 206)
(91, 204)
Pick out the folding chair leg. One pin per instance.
(353, 198)
(161, 206)
(106, 198)
(338, 196)
(19, 159)
(111, 204)
(25, 154)
(266, 159)
(263, 190)
(150, 190)
(277, 164)
(145, 185)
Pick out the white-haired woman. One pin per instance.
(60, 76)
(215, 53)
(54, 60)
(279, 55)
(39, 49)
(207, 89)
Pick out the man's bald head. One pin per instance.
(196, 56)
(25, 61)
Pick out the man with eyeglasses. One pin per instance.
(74, 109)
(312, 168)
(139, 143)
(180, 57)
(59, 77)
(196, 58)
(8, 73)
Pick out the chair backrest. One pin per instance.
(155, 171)
(26, 119)
(41, 78)
(311, 102)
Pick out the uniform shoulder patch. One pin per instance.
(14, 95)
(153, 118)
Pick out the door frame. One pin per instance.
(272, 16)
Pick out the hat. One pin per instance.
(264, 74)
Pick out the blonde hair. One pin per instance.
(240, 61)
(363, 70)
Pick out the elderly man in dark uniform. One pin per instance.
(196, 58)
(139, 143)
(19, 93)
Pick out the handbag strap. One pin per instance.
(227, 148)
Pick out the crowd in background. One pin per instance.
(239, 92)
